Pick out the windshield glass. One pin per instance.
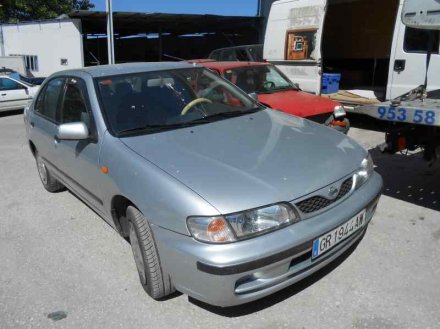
(150, 101)
(259, 79)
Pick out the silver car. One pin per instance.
(221, 198)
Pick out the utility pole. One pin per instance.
(2, 41)
(110, 36)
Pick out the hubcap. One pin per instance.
(139, 260)
(42, 170)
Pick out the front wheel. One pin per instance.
(155, 282)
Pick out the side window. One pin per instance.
(47, 101)
(74, 103)
(215, 55)
(242, 55)
(417, 41)
(228, 55)
(8, 84)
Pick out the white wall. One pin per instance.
(50, 41)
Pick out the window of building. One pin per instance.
(31, 62)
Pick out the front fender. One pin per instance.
(165, 201)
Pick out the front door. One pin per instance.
(79, 159)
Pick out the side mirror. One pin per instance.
(73, 131)
(254, 96)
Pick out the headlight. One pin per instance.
(339, 112)
(221, 229)
(365, 171)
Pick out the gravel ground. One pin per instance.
(62, 266)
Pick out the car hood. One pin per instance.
(252, 160)
(298, 103)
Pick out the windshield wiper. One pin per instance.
(285, 88)
(209, 118)
(223, 115)
(155, 128)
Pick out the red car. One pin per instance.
(275, 90)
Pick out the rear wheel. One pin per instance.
(156, 283)
(50, 183)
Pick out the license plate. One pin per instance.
(411, 115)
(332, 238)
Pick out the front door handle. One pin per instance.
(32, 124)
(3, 94)
(56, 139)
(399, 65)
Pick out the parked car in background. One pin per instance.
(17, 76)
(273, 89)
(220, 197)
(15, 94)
(248, 53)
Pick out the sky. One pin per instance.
(215, 7)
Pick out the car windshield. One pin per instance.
(161, 100)
(259, 79)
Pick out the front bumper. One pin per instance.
(240, 272)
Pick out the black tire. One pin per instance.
(155, 282)
(50, 183)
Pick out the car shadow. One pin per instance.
(409, 178)
(271, 300)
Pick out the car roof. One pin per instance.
(231, 65)
(126, 68)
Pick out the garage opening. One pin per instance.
(141, 37)
(356, 42)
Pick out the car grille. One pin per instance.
(317, 202)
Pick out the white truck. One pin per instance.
(387, 52)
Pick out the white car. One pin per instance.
(14, 94)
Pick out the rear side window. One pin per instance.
(417, 41)
(75, 102)
(47, 102)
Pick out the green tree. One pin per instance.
(26, 10)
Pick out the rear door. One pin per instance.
(293, 40)
(44, 121)
(13, 94)
(408, 59)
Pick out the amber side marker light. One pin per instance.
(104, 169)
(339, 123)
(218, 230)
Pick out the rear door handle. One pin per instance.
(32, 124)
(399, 65)
(56, 139)
(3, 94)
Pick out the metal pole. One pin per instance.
(2, 42)
(110, 37)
